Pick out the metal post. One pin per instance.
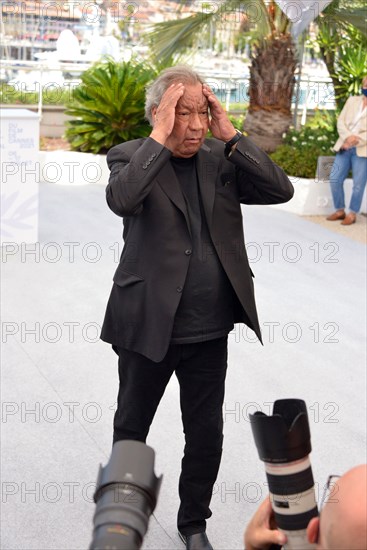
(298, 84)
(40, 96)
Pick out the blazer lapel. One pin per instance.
(168, 181)
(207, 170)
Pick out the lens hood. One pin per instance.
(131, 462)
(126, 495)
(285, 436)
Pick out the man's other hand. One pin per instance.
(220, 125)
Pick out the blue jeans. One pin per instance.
(345, 161)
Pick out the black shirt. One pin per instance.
(205, 311)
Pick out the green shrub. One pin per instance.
(108, 106)
(237, 121)
(296, 162)
(350, 70)
(301, 148)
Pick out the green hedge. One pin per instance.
(301, 148)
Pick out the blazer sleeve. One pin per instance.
(361, 131)
(134, 166)
(259, 179)
(346, 117)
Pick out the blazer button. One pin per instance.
(179, 289)
(188, 252)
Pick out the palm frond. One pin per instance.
(338, 16)
(170, 38)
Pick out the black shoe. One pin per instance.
(198, 541)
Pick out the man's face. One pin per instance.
(191, 122)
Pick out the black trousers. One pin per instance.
(201, 370)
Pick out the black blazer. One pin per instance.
(144, 190)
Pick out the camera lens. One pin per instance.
(283, 442)
(126, 495)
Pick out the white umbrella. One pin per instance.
(301, 12)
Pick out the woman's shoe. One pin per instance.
(349, 219)
(338, 215)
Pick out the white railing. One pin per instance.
(41, 76)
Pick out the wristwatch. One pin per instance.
(229, 144)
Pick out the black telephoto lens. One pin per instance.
(283, 441)
(126, 495)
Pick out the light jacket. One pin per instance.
(345, 121)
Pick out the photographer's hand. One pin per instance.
(220, 125)
(261, 532)
(164, 115)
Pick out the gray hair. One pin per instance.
(154, 93)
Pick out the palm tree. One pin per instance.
(273, 59)
(272, 69)
(343, 46)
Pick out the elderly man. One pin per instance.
(184, 277)
(342, 524)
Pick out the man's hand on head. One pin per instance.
(220, 125)
(164, 114)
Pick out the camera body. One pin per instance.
(283, 442)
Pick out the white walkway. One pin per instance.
(59, 382)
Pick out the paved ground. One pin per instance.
(356, 231)
(59, 382)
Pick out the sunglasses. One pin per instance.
(330, 495)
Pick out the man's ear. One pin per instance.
(313, 530)
(153, 111)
